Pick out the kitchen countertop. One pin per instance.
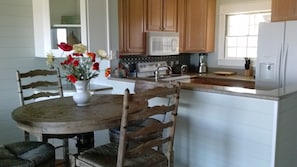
(230, 77)
(187, 84)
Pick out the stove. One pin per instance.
(147, 69)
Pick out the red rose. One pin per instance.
(107, 72)
(78, 54)
(96, 66)
(92, 55)
(65, 47)
(71, 78)
(75, 63)
(68, 60)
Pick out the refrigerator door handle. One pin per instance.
(280, 66)
(284, 66)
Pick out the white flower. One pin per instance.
(50, 60)
(79, 48)
(102, 54)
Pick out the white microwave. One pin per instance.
(162, 43)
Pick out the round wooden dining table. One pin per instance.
(62, 116)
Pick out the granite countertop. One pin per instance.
(230, 77)
(188, 84)
(275, 94)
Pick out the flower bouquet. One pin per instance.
(80, 64)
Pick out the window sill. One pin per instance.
(233, 62)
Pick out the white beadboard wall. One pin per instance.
(16, 52)
(216, 130)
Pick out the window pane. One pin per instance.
(253, 30)
(242, 42)
(231, 52)
(252, 42)
(252, 52)
(241, 52)
(242, 34)
(231, 42)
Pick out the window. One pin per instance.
(238, 30)
(242, 34)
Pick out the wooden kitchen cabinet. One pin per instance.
(196, 25)
(162, 15)
(283, 10)
(131, 14)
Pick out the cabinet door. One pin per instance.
(162, 15)
(132, 26)
(170, 15)
(154, 15)
(284, 10)
(121, 26)
(199, 25)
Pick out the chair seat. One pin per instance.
(106, 156)
(27, 154)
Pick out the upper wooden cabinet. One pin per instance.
(162, 15)
(193, 19)
(132, 26)
(283, 10)
(196, 25)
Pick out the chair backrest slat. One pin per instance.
(150, 112)
(40, 84)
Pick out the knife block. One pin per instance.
(248, 72)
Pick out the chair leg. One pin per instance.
(27, 136)
(171, 159)
(72, 159)
(66, 151)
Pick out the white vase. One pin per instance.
(82, 95)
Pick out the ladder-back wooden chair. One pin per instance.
(41, 84)
(143, 153)
(140, 86)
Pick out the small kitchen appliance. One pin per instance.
(162, 43)
(202, 63)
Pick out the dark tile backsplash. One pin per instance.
(131, 61)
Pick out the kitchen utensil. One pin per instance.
(202, 64)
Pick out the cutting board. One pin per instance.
(227, 73)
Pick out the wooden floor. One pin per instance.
(60, 163)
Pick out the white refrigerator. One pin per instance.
(276, 64)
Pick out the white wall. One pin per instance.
(16, 52)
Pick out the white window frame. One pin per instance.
(235, 8)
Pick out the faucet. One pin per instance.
(157, 73)
(183, 69)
